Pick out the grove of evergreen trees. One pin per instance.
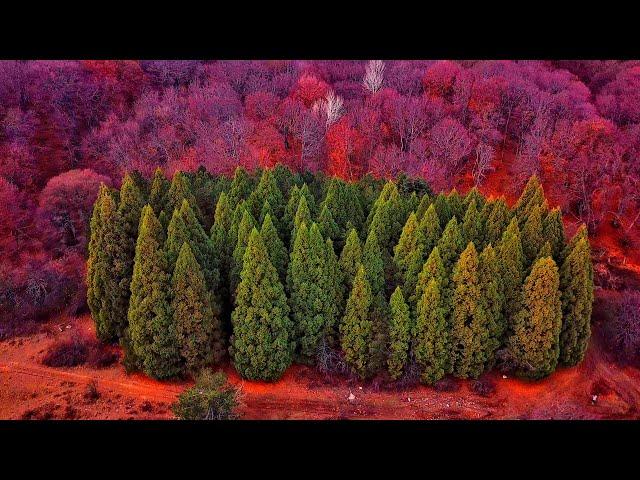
(270, 267)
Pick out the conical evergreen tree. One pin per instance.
(553, 232)
(430, 229)
(350, 258)
(471, 225)
(129, 209)
(469, 323)
(492, 301)
(151, 325)
(399, 335)
(456, 204)
(443, 209)
(577, 299)
(277, 251)
(198, 327)
(267, 190)
(292, 208)
(511, 260)
(409, 255)
(96, 261)
(497, 222)
(356, 327)
(425, 202)
(451, 244)
(431, 334)
(180, 190)
(373, 264)
(261, 345)
(335, 285)
(532, 235)
(266, 210)
(241, 186)
(535, 343)
(433, 269)
(339, 200)
(221, 246)
(244, 231)
(531, 193)
(159, 191)
(303, 215)
(328, 226)
(310, 301)
(474, 195)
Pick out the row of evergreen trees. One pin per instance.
(297, 265)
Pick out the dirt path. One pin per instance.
(596, 389)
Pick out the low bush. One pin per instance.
(212, 398)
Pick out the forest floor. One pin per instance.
(597, 389)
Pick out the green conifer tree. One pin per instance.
(409, 255)
(497, 222)
(553, 232)
(244, 231)
(303, 215)
(512, 270)
(159, 191)
(399, 335)
(532, 235)
(278, 254)
(576, 286)
(356, 327)
(492, 300)
(469, 323)
(198, 327)
(451, 244)
(350, 258)
(471, 225)
(373, 264)
(430, 229)
(241, 186)
(535, 343)
(151, 325)
(431, 334)
(261, 344)
(328, 226)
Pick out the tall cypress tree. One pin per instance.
(96, 261)
(335, 285)
(409, 255)
(399, 335)
(244, 231)
(430, 229)
(511, 260)
(471, 225)
(535, 343)
(356, 327)
(576, 286)
(261, 344)
(497, 222)
(241, 186)
(474, 195)
(531, 196)
(451, 244)
(456, 204)
(151, 326)
(222, 247)
(180, 190)
(443, 209)
(328, 226)
(198, 327)
(159, 191)
(303, 215)
(350, 259)
(492, 300)
(310, 300)
(532, 235)
(431, 343)
(275, 248)
(292, 208)
(553, 232)
(425, 202)
(433, 269)
(373, 263)
(267, 190)
(469, 325)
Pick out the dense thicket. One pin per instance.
(387, 289)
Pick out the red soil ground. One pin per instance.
(597, 389)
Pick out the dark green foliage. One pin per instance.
(456, 204)
(277, 251)
(267, 190)
(350, 259)
(553, 232)
(241, 186)
(335, 285)
(399, 335)
(340, 201)
(576, 285)
(303, 215)
(197, 323)
(474, 195)
(151, 325)
(356, 328)
(425, 202)
(492, 300)
(431, 345)
(511, 260)
(535, 343)
(181, 190)
(451, 244)
(159, 191)
(262, 343)
(532, 235)
(497, 222)
(471, 225)
(430, 229)
(409, 255)
(469, 323)
(443, 209)
(328, 226)
(532, 196)
(311, 302)
(373, 264)
(211, 398)
(244, 231)
(292, 208)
